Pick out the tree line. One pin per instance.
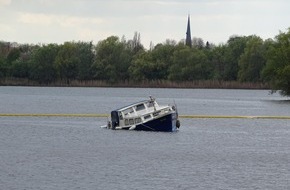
(114, 59)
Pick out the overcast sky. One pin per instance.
(57, 21)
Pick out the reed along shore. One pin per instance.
(211, 84)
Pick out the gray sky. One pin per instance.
(57, 21)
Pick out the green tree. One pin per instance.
(217, 60)
(234, 49)
(85, 53)
(43, 67)
(74, 61)
(154, 64)
(180, 59)
(13, 55)
(189, 64)
(6, 63)
(67, 61)
(252, 61)
(277, 69)
(198, 67)
(113, 59)
(21, 67)
(142, 67)
(2, 67)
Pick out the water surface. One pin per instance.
(74, 153)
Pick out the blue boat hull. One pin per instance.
(165, 123)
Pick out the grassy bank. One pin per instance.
(143, 84)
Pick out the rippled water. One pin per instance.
(74, 153)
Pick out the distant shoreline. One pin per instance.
(207, 84)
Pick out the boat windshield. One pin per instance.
(129, 110)
(140, 107)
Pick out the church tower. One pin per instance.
(188, 34)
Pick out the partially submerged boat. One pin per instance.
(146, 115)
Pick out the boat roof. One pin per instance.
(131, 105)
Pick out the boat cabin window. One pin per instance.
(156, 113)
(129, 121)
(138, 120)
(130, 110)
(140, 107)
(147, 117)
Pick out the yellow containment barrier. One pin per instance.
(233, 117)
(51, 115)
(107, 115)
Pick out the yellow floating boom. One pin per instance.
(51, 115)
(106, 115)
(233, 117)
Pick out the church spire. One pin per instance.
(188, 34)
